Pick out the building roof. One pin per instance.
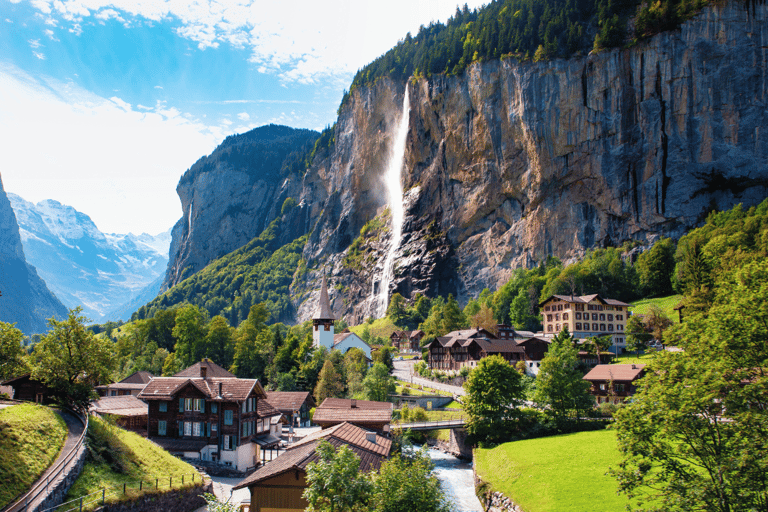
(584, 299)
(484, 339)
(324, 304)
(126, 405)
(211, 370)
(338, 338)
(140, 377)
(622, 372)
(232, 389)
(301, 454)
(289, 401)
(338, 410)
(265, 410)
(180, 445)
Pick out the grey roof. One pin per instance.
(211, 369)
(325, 304)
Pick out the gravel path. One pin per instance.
(404, 371)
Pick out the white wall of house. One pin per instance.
(353, 340)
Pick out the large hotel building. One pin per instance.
(585, 316)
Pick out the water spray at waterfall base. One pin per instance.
(392, 179)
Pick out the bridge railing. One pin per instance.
(432, 425)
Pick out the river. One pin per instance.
(456, 477)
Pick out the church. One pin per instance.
(322, 329)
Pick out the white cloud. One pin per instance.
(49, 33)
(243, 116)
(118, 164)
(34, 44)
(301, 41)
(39, 55)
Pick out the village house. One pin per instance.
(131, 385)
(465, 348)
(322, 329)
(127, 410)
(279, 485)
(586, 316)
(407, 341)
(534, 350)
(26, 388)
(294, 405)
(366, 414)
(613, 382)
(205, 412)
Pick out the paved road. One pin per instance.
(404, 371)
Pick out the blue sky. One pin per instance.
(105, 103)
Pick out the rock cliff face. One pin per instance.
(25, 299)
(511, 162)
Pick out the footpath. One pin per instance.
(404, 371)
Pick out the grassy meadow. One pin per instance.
(641, 307)
(31, 437)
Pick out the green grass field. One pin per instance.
(31, 437)
(641, 307)
(630, 358)
(380, 327)
(555, 474)
(417, 389)
(119, 456)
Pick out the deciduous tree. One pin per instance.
(335, 483)
(378, 384)
(329, 384)
(12, 355)
(407, 484)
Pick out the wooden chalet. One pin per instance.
(363, 413)
(205, 412)
(28, 389)
(294, 405)
(279, 485)
(131, 385)
(407, 341)
(613, 382)
(458, 349)
(128, 411)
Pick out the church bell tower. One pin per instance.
(322, 323)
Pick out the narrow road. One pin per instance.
(404, 371)
(75, 429)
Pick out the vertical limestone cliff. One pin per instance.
(511, 162)
(25, 300)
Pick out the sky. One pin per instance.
(104, 104)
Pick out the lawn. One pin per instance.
(641, 307)
(118, 457)
(555, 474)
(630, 358)
(31, 437)
(382, 327)
(417, 389)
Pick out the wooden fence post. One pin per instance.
(81, 504)
(123, 488)
(156, 483)
(103, 495)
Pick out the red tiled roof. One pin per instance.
(265, 410)
(232, 389)
(622, 372)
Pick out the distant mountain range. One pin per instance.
(84, 267)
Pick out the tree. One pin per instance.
(71, 360)
(494, 393)
(484, 319)
(253, 344)
(406, 484)
(355, 366)
(189, 331)
(656, 322)
(334, 482)
(397, 310)
(378, 384)
(329, 383)
(12, 355)
(695, 435)
(655, 268)
(559, 384)
(637, 336)
(384, 356)
(218, 342)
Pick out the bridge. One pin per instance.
(433, 425)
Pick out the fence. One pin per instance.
(43, 485)
(128, 489)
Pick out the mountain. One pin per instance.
(506, 162)
(25, 299)
(83, 266)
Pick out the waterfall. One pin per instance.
(392, 179)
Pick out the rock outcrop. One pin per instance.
(25, 300)
(509, 163)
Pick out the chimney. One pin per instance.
(354, 403)
(370, 437)
(634, 367)
(203, 371)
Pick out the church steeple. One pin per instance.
(322, 323)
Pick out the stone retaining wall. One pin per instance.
(177, 500)
(63, 482)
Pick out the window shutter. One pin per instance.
(181, 405)
(202, 405)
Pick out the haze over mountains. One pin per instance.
(85, 267)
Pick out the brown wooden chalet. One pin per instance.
(279, 485)
(28, 389)
(131, 385)
(128, 411)
(363, 413)
(407, 341)
(613, 382)
(294, 405)
(465, 348)
(205, 412)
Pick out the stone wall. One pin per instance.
(63, 482)
(177, 500)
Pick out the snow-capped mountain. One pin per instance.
(83, 266)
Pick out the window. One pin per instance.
(619, 317)
(557, 326)
(214, 427)
(244, 407)
(229, 443)
(214, 408)
(227, 417)
(549, 318)
(565, 316)
(549, 327)
(189, 404)
(162, 428)
(187, 428)
(163, 406)
(578, 326)
(602, 387)
(594, 316)
(602, 327)
(619, 327)
(200, 404)
(557, 317)
(594, 327)
(602, 317)
(196, 431)
(578, 316)
(610, 318)
(610, 327)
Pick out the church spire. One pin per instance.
(325, 304)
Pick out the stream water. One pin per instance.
(456, 477)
